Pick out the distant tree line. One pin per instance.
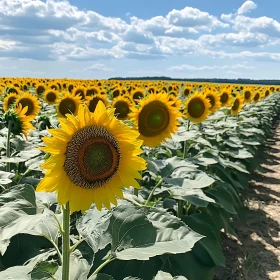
(216, 80)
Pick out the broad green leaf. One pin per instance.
(140, 234)
(208, 247)
(101, 276)
(161, 275)
(93, 226)
(16, 273)
(5, 177)
(43, 270)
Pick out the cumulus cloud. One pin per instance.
(187, 67)
(99, 67)
(246, 7)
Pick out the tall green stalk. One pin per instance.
(8, 146)
(66, 243)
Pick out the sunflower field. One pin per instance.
(107, 179)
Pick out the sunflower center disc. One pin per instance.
(51, 97)
(212, 100)
(247, 94)
(256, 97)
(235, 105)
(67, 106)
(29, 103)
(224, 98)
(92, 157)
(122, 109)
(196, 108)
(153, 119)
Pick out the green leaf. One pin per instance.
(208, 249)
(5, 177)
(167, 276)
(222, 197)
(101, 276)
(40, 224)
(16, 273)
(140, 234)
(43, 270)
(93, 226)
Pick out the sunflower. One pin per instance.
(92, 101)
(40, 89)
(155, 118)
(257, 97)
(137, 94)
(50, 96)
(237, 105)
(247, 95)
(80, 90)
(92, 157)
(92, 91)
(197, 107)
(214, 101)
(225, 98)
(68, 104)
(187, 91)
(122, 105)
(9, 100)
(32, 103)
(18, 120)
(116, 92)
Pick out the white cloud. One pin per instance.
(187, 67)
(99, 67)
(246, 7)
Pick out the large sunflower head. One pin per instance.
(51, 96)
(92, 101)
(18, 121)
(237, 105)
(197, 107)
(155, 118)
(214, 99)
(93, 156)
(9, 100)
(257, 96)
(225, 98)
(32, 103)
(68, 104)
(122, 105)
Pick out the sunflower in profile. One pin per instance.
(9, 100)
(247, 95)
(122, 106)
(32, 103)
(18, 121)
(68, 104)
(93, 156)
(237, 105)
(214, 101)
(80, 90)
(225, 98)
(92, 101)
(197, 107)
(51, 96)
(155, 118)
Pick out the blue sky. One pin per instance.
(102, 39)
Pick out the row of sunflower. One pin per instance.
(152, 107)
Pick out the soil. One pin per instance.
(255, 254)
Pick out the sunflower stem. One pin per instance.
(180, 208)
(153, 190)
(8, 146)
(100, 267)
(66, 243)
